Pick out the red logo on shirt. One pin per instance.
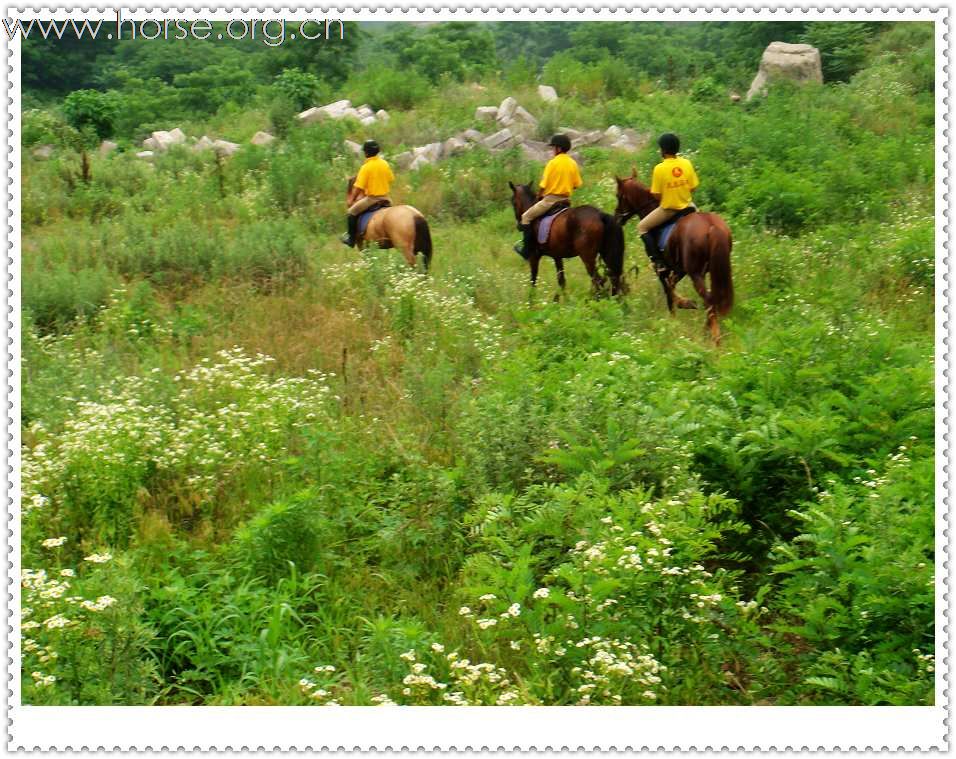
(677, 171)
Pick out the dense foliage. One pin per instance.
(260, 468)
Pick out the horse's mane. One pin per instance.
(638, 196)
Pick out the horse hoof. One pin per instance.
(687, 304)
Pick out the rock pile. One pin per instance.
(342, 109)
(160, 142)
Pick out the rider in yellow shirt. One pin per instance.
(673, 182)
(373, 180)
(561, 177)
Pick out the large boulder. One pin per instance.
(454, 146)
(430, 152)
(225, 148)
(202, 144)
(382, 115)
(355, 149)
(472, 135)
(536, 151)
(404, 160)
(337, 110)
(262, 138)
(506, 111)
(547, 93)
(486, 113)
(499, 140)
(781, 60)
(522, 115)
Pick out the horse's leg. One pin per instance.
(667, 283)
(559, 267)
(701, 287)
(589, 259)
(533, 262)
(408, 250)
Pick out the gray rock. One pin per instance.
(367, 120)
(506, 110)
(573, 134)
(365, 110)
(588, 138)
(202, 144)
(430, 152)
(225, 148)
(486, 113)
(547, 93)
(262, 138)
(382, 115)
(312, 115)
(355, 149)
(160, 142)
(454, 146)
(419, 161)
(42, 152)
(472, 135)
(146, 155)
(404, 160)
(536, 151)
(499, 140)
(611, 135)
(781, 60)
(521, 114)
(107, 147)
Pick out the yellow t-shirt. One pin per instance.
(375, 176)
(561, 175)
(673, 180)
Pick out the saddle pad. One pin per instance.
(544, 228)
(664, 231)
(364, 219)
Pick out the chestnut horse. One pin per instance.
(583, 231)
(700, 243)
(402, 227)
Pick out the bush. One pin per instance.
(285, 533)
(299, 87)
(389, 87)
(91, 111)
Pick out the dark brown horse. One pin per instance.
(700, 243)
(402, 227)
(583, 231)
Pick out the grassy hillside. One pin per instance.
(261, 468)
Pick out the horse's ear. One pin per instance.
(618, 180)
(511, 185)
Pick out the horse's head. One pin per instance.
(632, 198)
(522, 198)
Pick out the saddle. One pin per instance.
(663, 232)
(368, 213)
(544, 222)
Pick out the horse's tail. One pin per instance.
(721, 282)
(423, 240)
(612, 245)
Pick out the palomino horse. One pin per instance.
(583, 231)
(401, 227)
(700, 243)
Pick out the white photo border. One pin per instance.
(480, 728)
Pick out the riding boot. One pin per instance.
(349, 238)
(526, 247)
(650, 245)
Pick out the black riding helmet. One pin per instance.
(561, 141)
(370, 148)
(669, 143)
